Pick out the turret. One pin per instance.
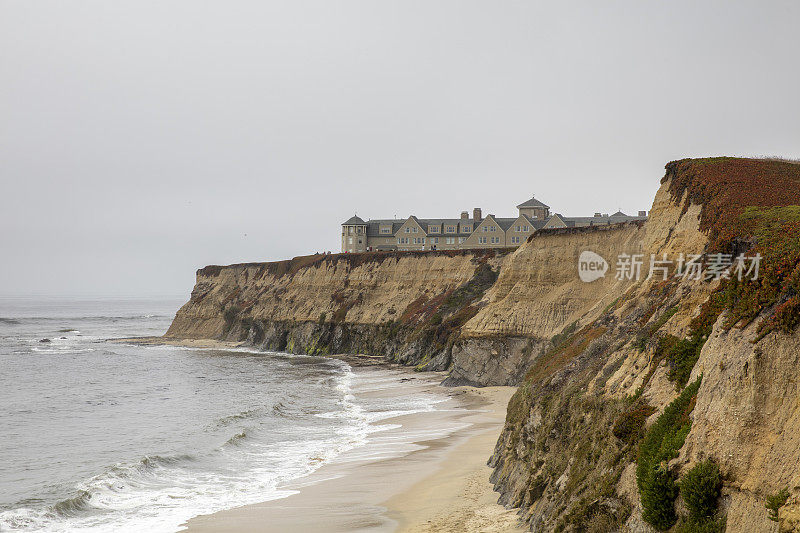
(354, 235)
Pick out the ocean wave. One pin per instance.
(282, 410)
(38, 319)
(73, 506)
(147, 464)
(236, 439)
(231, 419)
(154, 461)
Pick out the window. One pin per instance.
(359, 230)
(433, 229)
(414, 229)
(350, 230)
(349, 240)
(485, 229)
(407, 229)
(419, 240)
(461, 240)
(450, 229)
(402, 240)
(466, 229)
(481, 240)
(514, 240)
(495, 240)
(386, 230)
(434, 240)
(492, 228)
(451, 240)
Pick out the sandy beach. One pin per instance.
(442, 486)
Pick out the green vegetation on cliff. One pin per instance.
(656, 481)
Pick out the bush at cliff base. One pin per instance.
(657, 487)
(700, 488)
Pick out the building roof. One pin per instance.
(619, 214)
(373, 227)
(533, 202)
(354, 221)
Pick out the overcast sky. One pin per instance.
(141, 140)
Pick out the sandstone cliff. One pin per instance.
(681, 387)
(630, 391)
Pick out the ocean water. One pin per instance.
(99, 436)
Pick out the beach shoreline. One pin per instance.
(441, 487)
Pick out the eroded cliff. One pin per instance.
(676, 408)
(633, 393)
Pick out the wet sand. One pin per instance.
(440, 486)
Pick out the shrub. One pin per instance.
(775, 502)
(700, 488)
(681, 356)
(629, 426)
(661, 444)
(658, 498)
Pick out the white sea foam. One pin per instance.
(159, 493)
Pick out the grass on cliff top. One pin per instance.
(726, 186)
(750, 206)
(777, 240)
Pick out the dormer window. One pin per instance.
(450, 229)
(466, 229)
(386, 230)
(433, 229)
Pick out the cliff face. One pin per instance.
(681, 387)
(630, 391)
(482, 315)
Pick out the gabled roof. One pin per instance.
(373, 227)
(354, 221)
(533, 202)
(619, 214)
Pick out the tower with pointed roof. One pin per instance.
(354, 235)
(534, 209)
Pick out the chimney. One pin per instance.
(605, 215)
(464, 215)
(476, 214)
(598, 215)
(642, 213)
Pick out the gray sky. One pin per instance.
(141, 140)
